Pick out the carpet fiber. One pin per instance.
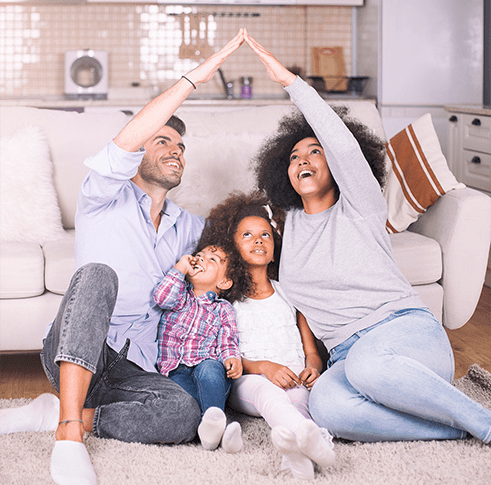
(25, 457)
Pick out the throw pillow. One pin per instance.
(29, 209)
(418, 174)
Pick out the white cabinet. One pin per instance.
(470, 141)
(469, 156)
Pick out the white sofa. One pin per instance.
(443, 255)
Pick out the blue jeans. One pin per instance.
(130, 404)
(392, 381)
(206, 382)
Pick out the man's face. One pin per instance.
(163, 162)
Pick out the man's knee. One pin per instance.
(98, 273)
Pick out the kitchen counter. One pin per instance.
(474, 109)
(59, 102)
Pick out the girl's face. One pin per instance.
(308, 171)
(254, 241)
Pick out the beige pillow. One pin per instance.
(418, 174)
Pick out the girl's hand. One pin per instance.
(276, 71)
(233, 367)
(205, 71)
(308, 377)
(281, 375)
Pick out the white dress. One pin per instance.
(268, 330)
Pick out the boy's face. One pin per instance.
(210, 273)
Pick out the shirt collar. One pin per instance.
(169, 209)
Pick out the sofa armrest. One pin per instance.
(461, 223)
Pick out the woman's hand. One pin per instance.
(280, 375)
(205, 71)
(308, 377)
(233, 366)
(276, 71)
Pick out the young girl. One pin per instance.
(279, 353)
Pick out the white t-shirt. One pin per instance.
(268, 330)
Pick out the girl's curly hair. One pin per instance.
(272, 160)
(220, 228)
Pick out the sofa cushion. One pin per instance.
(28, 203)
(418, 257)
(59, 263)
(22, 270)
(418, 176)
(72, 137)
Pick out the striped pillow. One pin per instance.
(418, 174)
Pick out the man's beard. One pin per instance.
(151, 175)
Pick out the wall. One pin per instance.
(143, 42)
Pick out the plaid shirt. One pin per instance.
(193, 329)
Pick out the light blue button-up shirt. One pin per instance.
(113, 226)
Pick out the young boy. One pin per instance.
(198, 340)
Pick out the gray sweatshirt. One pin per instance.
(337, 266)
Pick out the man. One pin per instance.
(100, 351)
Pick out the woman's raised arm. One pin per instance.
(276, 71)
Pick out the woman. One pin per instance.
(391, 364)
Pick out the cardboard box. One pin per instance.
(328, 62)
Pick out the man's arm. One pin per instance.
(158, 111)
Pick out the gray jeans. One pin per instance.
(130, 404)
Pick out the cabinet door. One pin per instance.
(477, 133)
(477, 170)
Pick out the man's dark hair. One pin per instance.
(177, 124)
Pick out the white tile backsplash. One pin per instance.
(143, 42)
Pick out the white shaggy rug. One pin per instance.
(24, 457)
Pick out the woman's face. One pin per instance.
(308, 171)
(254, 241)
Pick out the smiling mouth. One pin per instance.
(198, 268)
(305, 173)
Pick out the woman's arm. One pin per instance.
(313, 361)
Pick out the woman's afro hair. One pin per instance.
(220, 228)
(272, 160)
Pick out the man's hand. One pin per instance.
(205, 71)
(276, 71)
(233, 367)
(308, 376)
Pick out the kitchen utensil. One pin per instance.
(206, 50)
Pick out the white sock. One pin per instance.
(211, 428)
(315, 443)
(300, 465)
(40, 415)
(232, 438)
(71, 465)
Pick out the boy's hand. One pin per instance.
(233, 367)
(308, 376)
(187, 265)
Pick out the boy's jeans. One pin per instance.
(130, 404)
(392, 381)
(207, 382)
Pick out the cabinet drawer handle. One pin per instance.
(476, 122)
(453, 119)
(476, 160)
